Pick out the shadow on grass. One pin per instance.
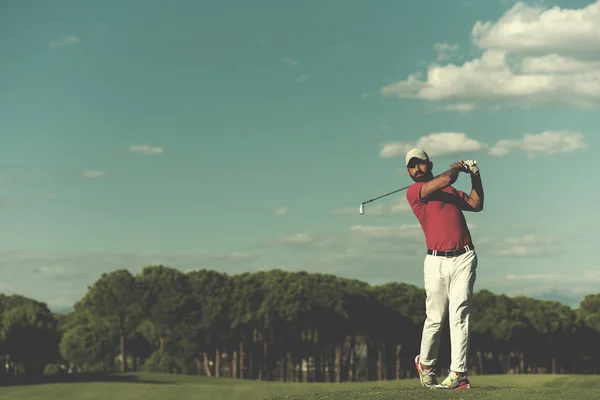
(81, 378)
(493, 388)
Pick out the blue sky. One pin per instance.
(241, 136)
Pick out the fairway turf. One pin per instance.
(182, 387)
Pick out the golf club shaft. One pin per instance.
(387, 194)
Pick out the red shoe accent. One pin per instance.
(463, 384)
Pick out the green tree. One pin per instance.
(115, 298)
(246, 302)
(555, 326)
(587, 332)
(88, 343)
(500, 331)
(589, 311)
(29, 334)
(211, 292)
(164, 292)
(405, 308)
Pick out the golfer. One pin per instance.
(450, 263)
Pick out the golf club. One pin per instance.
(361, 209)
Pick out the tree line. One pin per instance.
(278, 325)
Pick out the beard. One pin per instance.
(421, 177)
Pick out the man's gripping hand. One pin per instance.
(471, 166)
(459, 166)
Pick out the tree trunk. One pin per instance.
(260, 371)
(398, 352)
(318, 364)
(522, 362)
(250, 359)
(371, 361)
(331, 363)
(234, 364)
(553, 365)
(206, 364)
(284, 361)
(265, 365)
(379, 362)
(217, 363)
(345, 362)
(241, 360)
(122, 334)
(324, 356)
(354, 360)
(480, 361)
(294, 363)
(198, 367)
(162, 345)
(338, 362)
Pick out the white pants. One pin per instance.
(449, 287)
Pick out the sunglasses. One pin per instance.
(414, 162)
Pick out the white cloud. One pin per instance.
(526, 246)
(592, 275)
(300, 238)
(6, 288)
(534, 240)
(303, 78)
(514, 251)
(374, 253)
(435, 144)
(53, 270)
(531, 56)
(67, 40)
(93, 174)
(449, 143)
(529, 29)
(555, 64)
(290, 62)
(397, 231)
(530, 277)
(399, 206)
(568, 289)
(460, 107)
(357, 236)
(549, 142)
(281, 211)
(55, 260)
(147, 150)
(445, 51)
(61, 278)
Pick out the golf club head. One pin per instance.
(361, 209)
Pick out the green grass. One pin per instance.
(165, 387)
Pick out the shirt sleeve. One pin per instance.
(413, 194)
(459, 193)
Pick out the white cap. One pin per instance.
(416, 153)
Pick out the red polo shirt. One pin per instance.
(441, 217)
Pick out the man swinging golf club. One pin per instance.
(450, 263)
